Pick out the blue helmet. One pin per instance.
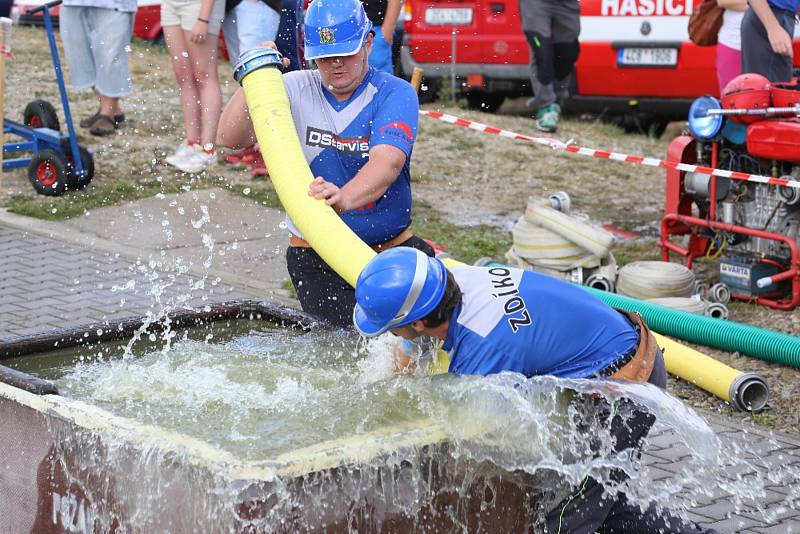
(396, 288)
(335, 28)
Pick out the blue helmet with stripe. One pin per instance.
(335, 28)
(397, 287)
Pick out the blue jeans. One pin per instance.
(247, 25)
(381, 56)
(757, 54)
(97, 46)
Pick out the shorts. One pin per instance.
(247, 25)
(558, 21)
(184, 14)
(97, 47)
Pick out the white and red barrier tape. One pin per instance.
(603, 154)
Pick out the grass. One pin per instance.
(639, 249)
(464, 243)
(77, 203)
(109, 193)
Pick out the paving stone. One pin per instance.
(791, 526)
(735, 523)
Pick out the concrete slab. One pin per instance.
(211, 234)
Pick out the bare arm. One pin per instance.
(235, 127)
(780, 41)
(390, 19)
(733, 5)
(371, 182)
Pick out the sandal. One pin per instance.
(88, 121)
(103, 125)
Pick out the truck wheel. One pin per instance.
(650, 125)
(47, 172)
(41, 114)
(429, 90)
(483, 101)
(87, 160)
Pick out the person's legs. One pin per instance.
(566, 27)
(729, 65)
(174, 36)
(627, 518)
(319, 289)
(76, 37)
(203, 60)
(110, 34)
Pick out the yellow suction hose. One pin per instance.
(268, 103)
(271, 114)
(745, 391)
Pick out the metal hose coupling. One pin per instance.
(749, 392)
(255, 59)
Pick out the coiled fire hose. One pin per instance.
(655, 279)
(268, 104)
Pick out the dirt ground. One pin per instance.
(467, 177)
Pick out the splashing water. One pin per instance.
(269, 391)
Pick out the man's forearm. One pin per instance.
(369, 185)
(384, 166)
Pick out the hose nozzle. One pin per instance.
(255, 59)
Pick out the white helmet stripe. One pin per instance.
(420, 275)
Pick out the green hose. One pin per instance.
(727, 335)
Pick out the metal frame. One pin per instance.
(678, 221)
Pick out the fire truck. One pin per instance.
(636, 58)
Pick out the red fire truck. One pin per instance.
(635, 55)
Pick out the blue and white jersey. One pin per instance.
(530, 323)
(337, 136)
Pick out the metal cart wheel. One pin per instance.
(47, 172)
(41, 114)
(87, 161)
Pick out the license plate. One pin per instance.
(461, 16)
(647, 57)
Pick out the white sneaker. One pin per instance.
(182, 153)
(197, 162)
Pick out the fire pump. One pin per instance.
(749, 225)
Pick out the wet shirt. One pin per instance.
(530, 323)
(337, 136)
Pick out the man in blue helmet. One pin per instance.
(357, 127)
(504, 319)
